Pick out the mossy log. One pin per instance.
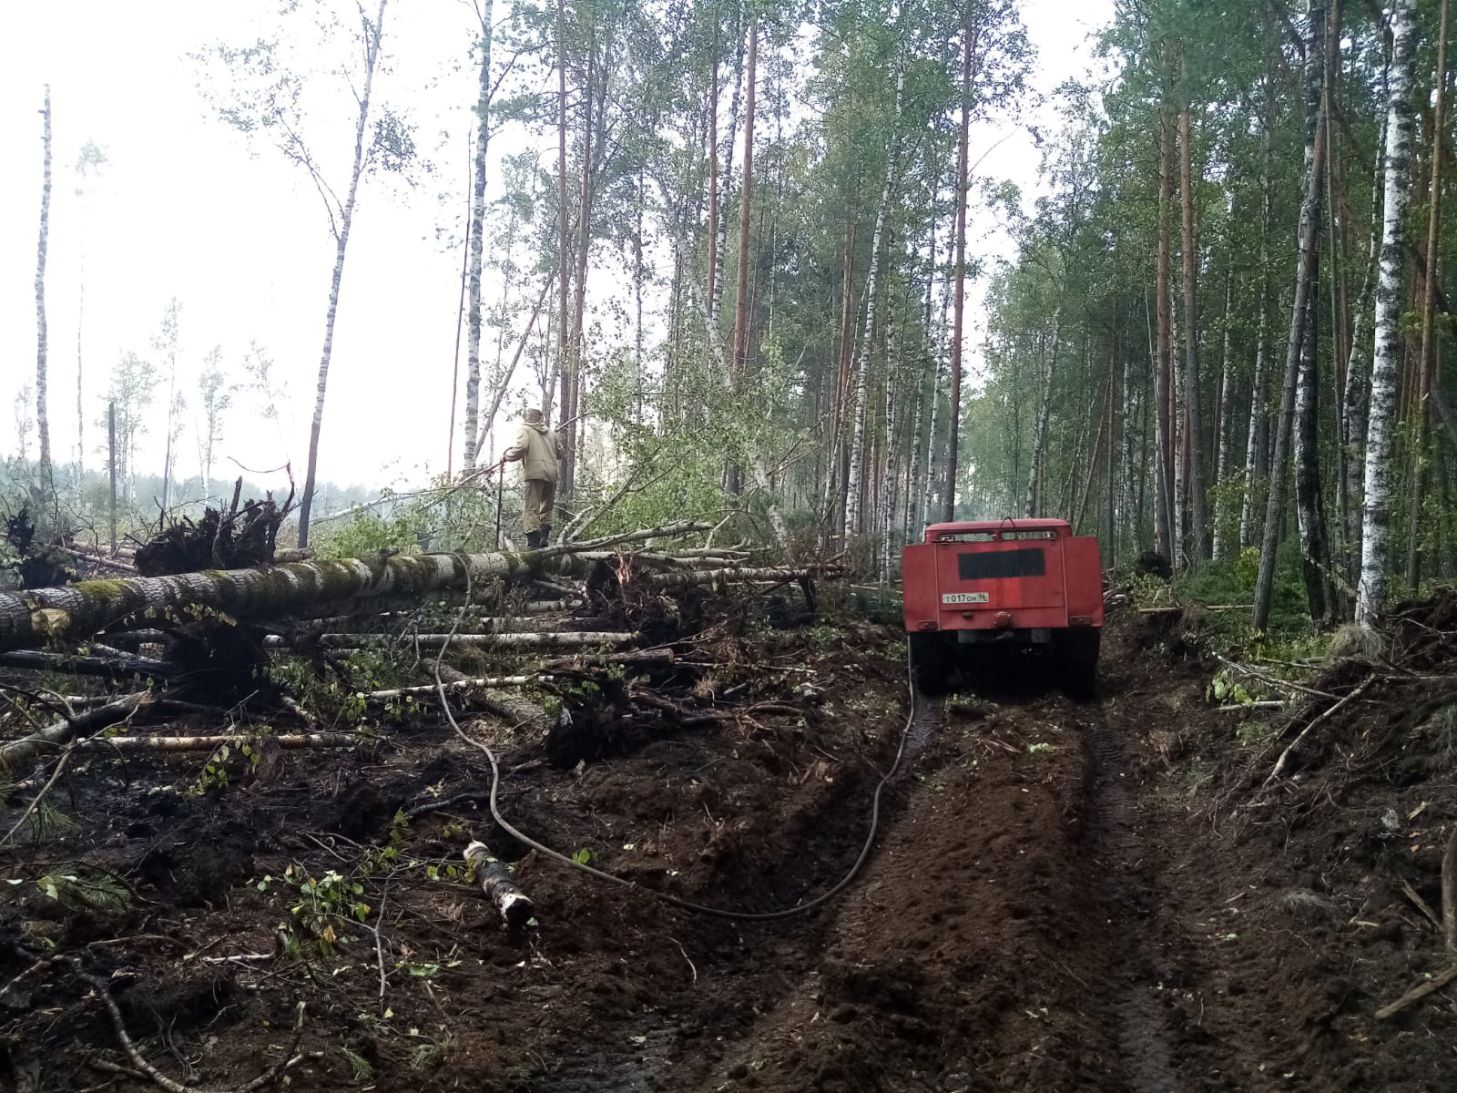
(79, 610)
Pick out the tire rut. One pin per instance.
(1133, 1002)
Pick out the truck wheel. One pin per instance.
(1078, 652)
(931, 663)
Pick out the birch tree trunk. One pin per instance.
(713, 179)
(1225, 430)
(1163, 359)
(741, 299)
(1256, 436)
(1038, 473)
(1194, 435)
(42, 417)
(1309, 504)
(852, 524)
(1380, 429)
(1420, 455)
(79, 610)
(1299, 317)
(373, 32)
(959, 299)
(476, 249)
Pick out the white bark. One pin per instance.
(855, 478)
(477, 247)
(42, 417)
(1380, 429)
(81, 609)
(1038, 471)
(1226, 426)
(373, 32)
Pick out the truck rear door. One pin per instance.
(1020, 574)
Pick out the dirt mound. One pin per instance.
(1322, 836)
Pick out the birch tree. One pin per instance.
(1386, 356)
(266, 100)
(41, 417)
(862, 363)
(89, 162)
(477, 246)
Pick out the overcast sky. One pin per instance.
(185, 208)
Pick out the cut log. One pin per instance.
(496, 881)
(81, 609)
(212, 743)
(64, 731)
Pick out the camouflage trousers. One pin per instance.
(536, 505)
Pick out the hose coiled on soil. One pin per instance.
(666, 897)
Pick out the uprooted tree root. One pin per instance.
(231, 539)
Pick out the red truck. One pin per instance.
(984, 583)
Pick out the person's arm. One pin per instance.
(518, 451)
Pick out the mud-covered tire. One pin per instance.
(1077, 652)
(931, 662)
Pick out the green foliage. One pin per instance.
(321, 911)
(217, 774)
(82, 886)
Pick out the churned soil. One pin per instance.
(1061, 896)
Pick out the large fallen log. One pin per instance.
(77, 610)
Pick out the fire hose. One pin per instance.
(667, 897)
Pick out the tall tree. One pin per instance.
(1420, 459)
(1198, 498)
(1300, 313)
(215, 399)
(476, 246)
(1386, 357)
(41, 416)
(267, 98)
(953, 444)
(165, 343)
(88, 163)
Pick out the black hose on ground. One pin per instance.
(666, 897)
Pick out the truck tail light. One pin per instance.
(1080, 620)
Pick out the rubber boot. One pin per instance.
(545, 534)
(533, 540)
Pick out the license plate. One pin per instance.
(964, 597)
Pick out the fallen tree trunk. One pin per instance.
(733, 575)
(515, 909)
(117, 664)
(75, 611)
(212, 743)
(67, 729)
(457, 685)
(534, 639)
